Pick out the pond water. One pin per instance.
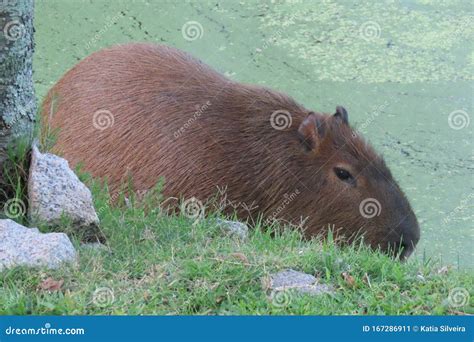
(403, 70)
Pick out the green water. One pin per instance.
(400, 68)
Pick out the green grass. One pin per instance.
(157, 263)
(13, 180)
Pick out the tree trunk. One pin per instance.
(17, 97)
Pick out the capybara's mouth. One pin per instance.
(405, 253)
(402, 251)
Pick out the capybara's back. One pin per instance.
(146, 111)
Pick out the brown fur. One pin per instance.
(153, 92)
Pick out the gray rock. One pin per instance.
(54, 190)
(235, 228)
(301, 282)
(21, 246)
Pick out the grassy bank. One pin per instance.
(164, 264)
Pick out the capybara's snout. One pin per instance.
(402, 229)
(409, 232)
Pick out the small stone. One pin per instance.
(299, 281)
(22, 246)
(235, 228)
(54, 190)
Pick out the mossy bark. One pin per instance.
(17, 98)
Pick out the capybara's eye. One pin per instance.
(343, 175)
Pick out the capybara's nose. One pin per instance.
(406, 251)
(409, 236)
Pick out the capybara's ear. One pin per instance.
(311, 132)
(341, 113)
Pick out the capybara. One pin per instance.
(149, 111)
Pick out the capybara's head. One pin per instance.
(354, 189)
